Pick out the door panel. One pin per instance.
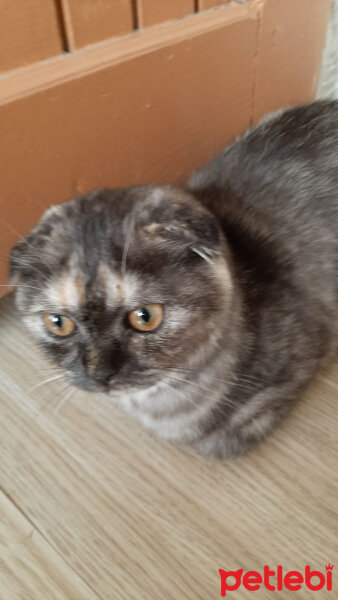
(151, 12)
(30, 30)
(88, 21)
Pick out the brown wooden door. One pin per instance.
(118, 92)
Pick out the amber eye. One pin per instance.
(146, 318)
(58, 324)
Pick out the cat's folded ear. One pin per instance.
(15, 260)
(23, 254)
(35, 246)
(177, 219)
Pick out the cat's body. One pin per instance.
(244, 261)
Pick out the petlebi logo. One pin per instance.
(276, 579)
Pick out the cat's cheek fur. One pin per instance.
(36, 326)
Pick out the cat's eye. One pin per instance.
(58, 324)
(146, 318)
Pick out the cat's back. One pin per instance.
(282, 177)
(278, 185)
(287, 162)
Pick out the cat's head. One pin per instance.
(123, 287)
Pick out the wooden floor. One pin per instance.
(93, 507)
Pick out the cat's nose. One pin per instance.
(102, 366)
(103, 376)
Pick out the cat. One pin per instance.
(202, 310)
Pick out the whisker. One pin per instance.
(203, 388)
(51, 399)
(35, 387)
(180, 395)
(236, 380)
(192, 383)
(221, 400)
(61, 404)
(172, 389)
(202, 255)
(31, 287)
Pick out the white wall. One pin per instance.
(328, 84)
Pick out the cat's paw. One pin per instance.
(249, 425)
(223, 444)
